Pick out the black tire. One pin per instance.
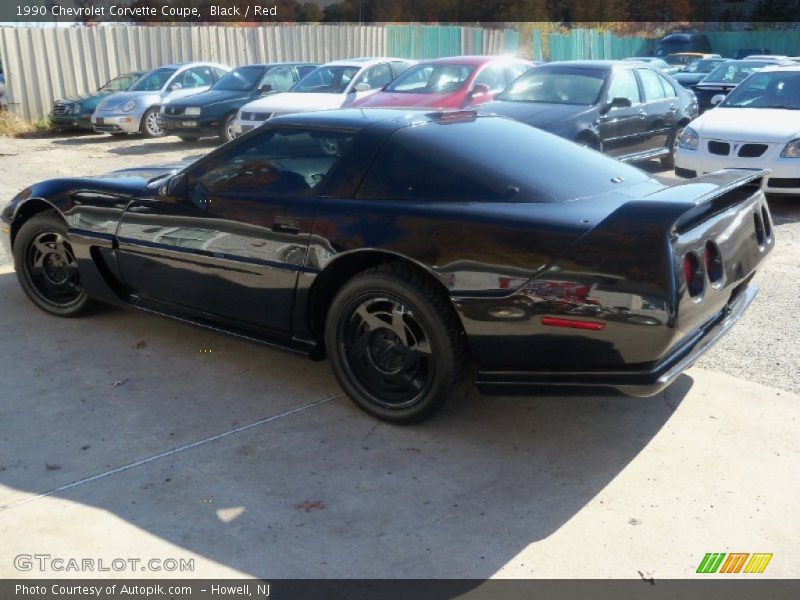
(46, 266)
(225, 133)
(668, 161)
(149, 126)
(400, 370)
(117, 133)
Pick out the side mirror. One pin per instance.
(175, 86)
(362, 87)
(265, 89)
(717, 99)
(617, 103)
(479, 92)
(174, 186)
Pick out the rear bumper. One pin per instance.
(643, 382)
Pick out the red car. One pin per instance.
(452, 82)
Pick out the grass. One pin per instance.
(12, 126)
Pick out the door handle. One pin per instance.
(286, 225)
(673, 108)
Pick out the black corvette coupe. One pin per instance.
(421, 252)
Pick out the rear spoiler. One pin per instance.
(711, 194)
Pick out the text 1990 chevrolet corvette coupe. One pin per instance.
(422, 252)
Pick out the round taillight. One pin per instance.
(713, 260)
(693, 275)
(767, 222)
(759, 227)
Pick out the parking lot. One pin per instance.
(131, 436)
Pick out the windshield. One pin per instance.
(701, 66)
(734, 71)
(432, 79)
(121, 83)
(779, 89)
(242, 79)
(557, 86)
(327, 80)
(153, 81)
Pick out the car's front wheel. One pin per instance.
(395, 344)
(150, 125)
(226, 128)
(46, 266)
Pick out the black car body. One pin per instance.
(218, 106)
(741, 53)
(724, 78)
(626, 109)
(391, 238)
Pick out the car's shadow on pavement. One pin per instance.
(322, 492)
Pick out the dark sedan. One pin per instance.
(211, 113)
(628, 110)
(697, 70)
(422, 252)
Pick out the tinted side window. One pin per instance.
(651, 83)
(623, 85)
(401, 66)
(514, 70)
(304, 70)
(280, 78)
(218, 73)
(669, 89)
(279, 162)
(405, 172)
(493, 77)
(377, 76)
(196, 77)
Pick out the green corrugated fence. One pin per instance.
(426, 41)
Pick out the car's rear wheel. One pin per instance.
(395, 344)
(46, 266)
(226, 128)
(668, 161)
(150, 125)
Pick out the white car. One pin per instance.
(757, 126)
(332, 85)
(136, 110)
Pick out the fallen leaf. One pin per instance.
(50, 467)
(119, 382)
(309, 506)
(139, 345)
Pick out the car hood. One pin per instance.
(545, 116)
(209, 98)
(289, 102)
(147, 172)
(115, 100)
(405, 100)
(749, 124)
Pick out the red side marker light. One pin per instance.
(556, 322)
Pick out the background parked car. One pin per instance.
(212, 113)
(682, 59)
(756, 127)
(696, 70)
(741, 53)
(76, 112)
(626, 109)
(658, 63)
(682, 42)
(452, 82)
(724, 78)
(136, 111)
(332, 85)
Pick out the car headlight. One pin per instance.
(193, 111)
(792, 149)
(76, 109)
(689, 139)
(128, 106)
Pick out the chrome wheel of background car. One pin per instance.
(152, 127)
(676, 139)
(52, 271)
(227, 132)
(387, 350)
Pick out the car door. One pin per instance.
(661, 109)
(233, 238)
(622, 128)
(189, 81)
